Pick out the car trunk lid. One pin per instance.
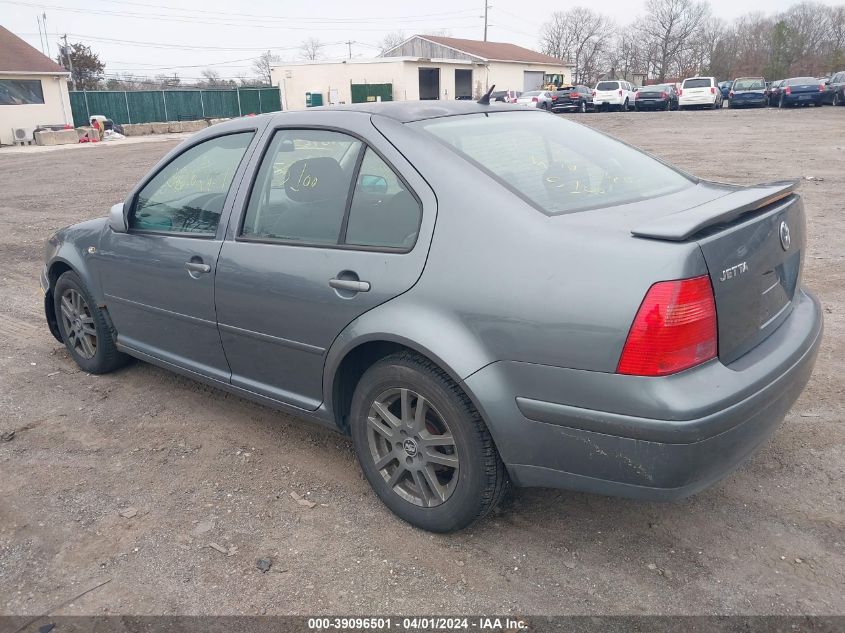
(753, 241)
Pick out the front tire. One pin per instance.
(423, 446)
(85, 330)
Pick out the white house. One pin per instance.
(33, 88)
(422, 67)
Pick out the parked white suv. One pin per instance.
(700, 92)
(614, 94)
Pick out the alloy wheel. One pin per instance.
(78, 323)
(412, 447)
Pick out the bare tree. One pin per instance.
(668, 27)
(579, 35)
(211, 79)
(391, 40)
(311, 48)
(263, 65)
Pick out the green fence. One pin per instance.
(148, 106)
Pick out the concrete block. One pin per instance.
(174, 126)
(160, 128)
(56, 137)
(194, 126)
(137, 129)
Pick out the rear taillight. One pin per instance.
(821, 87)
(675, 329)
(636, 96)
(731, 94)
(787, 90)
(620, 93)
(712, 90)
(663, 95)
(534, 100)
(594, 93)
(574, 95)
(680, 92)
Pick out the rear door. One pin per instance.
(335, 223)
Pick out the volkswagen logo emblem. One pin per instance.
(785, 238)
(410, 447)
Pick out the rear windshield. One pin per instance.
(697, 83)
(749, 84)
(556, 165)
(608, 85)
(800, 81)
(658, 88)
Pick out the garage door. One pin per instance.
(533, 80)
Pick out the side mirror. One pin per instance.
(117, 218)
(373, 184)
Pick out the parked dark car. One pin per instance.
(659, 97)
(725, 88)
(834, 92)
(644, 334)
(748, 92)
(800, 91)
(573, 99)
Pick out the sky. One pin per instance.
(150, 37)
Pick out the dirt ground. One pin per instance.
(201, 467)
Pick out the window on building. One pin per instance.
(21, 92)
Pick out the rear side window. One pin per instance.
(187, 195)
(556, 165)
(384, 213)
(608, 85)
(697, 83)
(319, 187)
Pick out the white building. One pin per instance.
(33, 88)
(422, 67)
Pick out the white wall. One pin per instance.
(296, 79)
(54, 110)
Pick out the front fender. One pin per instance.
(75, 248)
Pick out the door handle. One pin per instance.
(352, 285)
(197, 267)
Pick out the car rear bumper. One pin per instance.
(702, 100)
(651, 104)
(650, 438)
(797, 99)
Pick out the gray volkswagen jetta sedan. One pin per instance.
(476, 294)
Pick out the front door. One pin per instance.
(329, 231)
(158, 278)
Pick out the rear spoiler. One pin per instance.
(681, 225)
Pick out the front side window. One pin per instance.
(188, 195)
(556, 165)
(21, 92)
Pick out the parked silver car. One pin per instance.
(477, 294)
(536, 99)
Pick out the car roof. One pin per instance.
(406, 111)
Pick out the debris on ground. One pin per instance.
(219, 548)
(264, 564)
(202, 527)
(302, 500)
(128, 513)
(7, 436)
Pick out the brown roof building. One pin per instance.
(33, 90)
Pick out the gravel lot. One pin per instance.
(203, 467)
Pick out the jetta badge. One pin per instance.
(785, 238)
(734, 271)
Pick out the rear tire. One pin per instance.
(85, 329)
(781, 103)
(582, 108)
(438, 470)
(836, 100)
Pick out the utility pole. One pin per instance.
(46, 37)
(40, 38)
(69, 61)
(349, 44)
(486, 6)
